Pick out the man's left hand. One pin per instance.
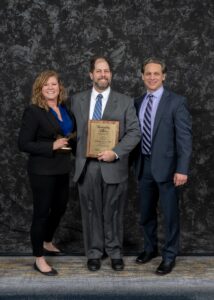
(107, 156)
(179, 179)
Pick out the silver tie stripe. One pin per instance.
(147, 138)
(97, 114)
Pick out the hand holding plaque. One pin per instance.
(102, 135)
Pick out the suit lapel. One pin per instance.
(160, 111)
(53, 123)
(110, 106)
(139, 103)
(85, 105)
(109, 109)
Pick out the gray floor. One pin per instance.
(192, 278)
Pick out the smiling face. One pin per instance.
(101, 75)
(153, 76)
(50, 89)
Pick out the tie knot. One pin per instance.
(99, 97)
(150, 96)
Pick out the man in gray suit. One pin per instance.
(102, 182)
(162, 161)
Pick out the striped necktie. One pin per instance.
(147, 138)
(97, 114)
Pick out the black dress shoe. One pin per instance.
(52, 253)
(94, 264)
(165, 267)
(117, 264)
(52, 272)
(145, 257)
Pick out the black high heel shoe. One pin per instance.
(52, 272)
(53, 253)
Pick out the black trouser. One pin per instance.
(50, 197)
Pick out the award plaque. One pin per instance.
(102, 135)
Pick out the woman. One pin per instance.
(45, 134)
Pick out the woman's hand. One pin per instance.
(60, 143)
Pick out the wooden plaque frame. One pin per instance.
(102, 135)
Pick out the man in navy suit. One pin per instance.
(163, 160)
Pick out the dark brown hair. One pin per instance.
(95, 58)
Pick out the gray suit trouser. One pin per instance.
(102, 209)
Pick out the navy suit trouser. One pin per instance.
(150, 192)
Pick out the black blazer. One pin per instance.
(38, 131)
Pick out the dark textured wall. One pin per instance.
(63, 34)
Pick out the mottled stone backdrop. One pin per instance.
(63, 35)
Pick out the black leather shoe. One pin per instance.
(52, 272)
(52, 253)
(117, 264)
(165, 267)
(94, 264)
(145, 257)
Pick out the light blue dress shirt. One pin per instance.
(156, 100)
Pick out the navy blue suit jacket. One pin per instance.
(171, 140)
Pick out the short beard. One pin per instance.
(101, 86)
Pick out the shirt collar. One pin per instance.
(157, 94)
(105, 93)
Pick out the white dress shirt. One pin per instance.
(93, 100)
(104, 102)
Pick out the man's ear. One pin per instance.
(91, 75)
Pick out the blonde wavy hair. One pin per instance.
(37, 97)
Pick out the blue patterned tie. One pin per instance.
(147, 138)
(98, 108)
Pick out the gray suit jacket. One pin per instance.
(172, 138)
(119, 107)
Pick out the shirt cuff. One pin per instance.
(117, 157)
